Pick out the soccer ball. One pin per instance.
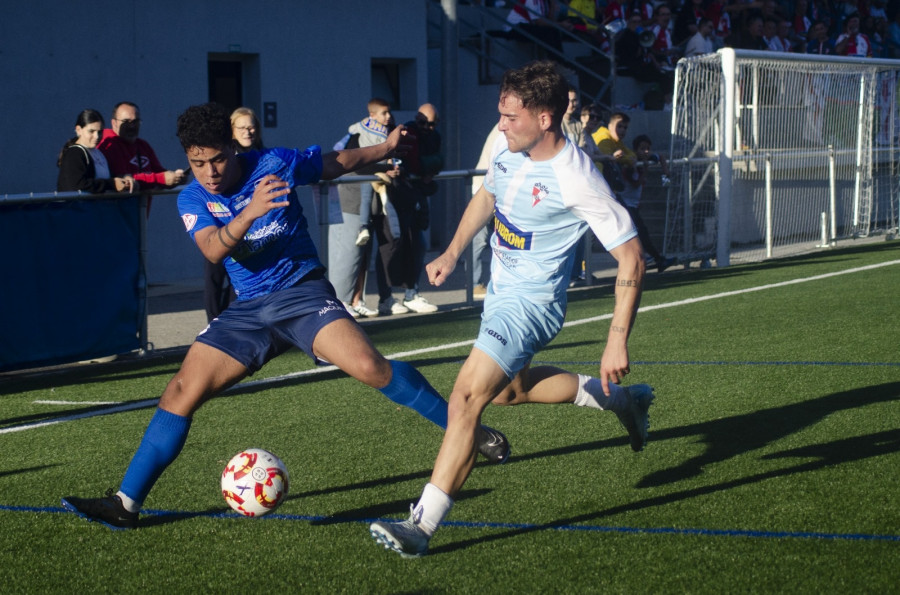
(254, 482)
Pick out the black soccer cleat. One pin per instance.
(108, 510)
(636, 419)
(492, 445)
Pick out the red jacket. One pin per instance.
(135, 159)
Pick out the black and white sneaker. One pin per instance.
(108, 510)
(636, 418)
(492, 445)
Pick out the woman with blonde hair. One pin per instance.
(245, 130)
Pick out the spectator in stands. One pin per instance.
(688, 20)
(876, 30)
(878, 9)
(614, 11)
(644, 9)
(635, 180)
(571, 122)
(819, 42)
(610, 141)
(851, 42)
(635, 58)
(721, 19)
(347, 262)
(590, 122)
(750, 37)
(536, 18)
(628, 46)
(892, 41)
(581, 18)
(246, 130)
(770, 36)
(82, 166)
(415, 185)
(130, 155)
(785, 36)
(371, 131)
(800, 24)
(701, 43)
(663, 47)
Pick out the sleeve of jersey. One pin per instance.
(308, 166)
(192, 208)
(590, 199)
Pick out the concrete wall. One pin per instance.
(313, 58)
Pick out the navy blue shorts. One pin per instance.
(256, 330)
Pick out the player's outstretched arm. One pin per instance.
(476, 216)
(615, 364)
(337, 163)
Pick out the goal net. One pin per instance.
(774, 154)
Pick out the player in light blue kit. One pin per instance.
(542, 192)
(243, 209)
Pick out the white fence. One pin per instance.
(773, 154)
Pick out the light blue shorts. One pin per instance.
(513, 329)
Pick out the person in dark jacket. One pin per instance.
(81, 164)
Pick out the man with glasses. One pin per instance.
(130, 155)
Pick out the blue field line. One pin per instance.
(513, 526)
(725, 363)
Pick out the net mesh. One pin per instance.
(814, 155)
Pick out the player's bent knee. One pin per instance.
(371, 370)
(181, 396)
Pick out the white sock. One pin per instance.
(590, 394)
(433, 506)
(129, 504)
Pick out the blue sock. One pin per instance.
(410, 389)
(163, 440)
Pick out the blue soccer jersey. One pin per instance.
(541, 210)
(277, 250)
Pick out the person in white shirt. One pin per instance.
(701, 42)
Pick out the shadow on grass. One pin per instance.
(828, 455)
(738, 435)
(734, 436)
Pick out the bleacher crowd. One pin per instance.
(668, 30)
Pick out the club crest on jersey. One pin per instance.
(539, 193)
(217, 209)
(509, 235)
(189, 220)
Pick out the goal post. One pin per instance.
(764, 143)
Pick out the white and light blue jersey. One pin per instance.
(277, 250)
(541, 210)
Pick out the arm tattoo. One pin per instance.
(221, 239)
(231, 237)
(626, 283)
(617, 329)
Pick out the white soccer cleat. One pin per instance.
(404, 537)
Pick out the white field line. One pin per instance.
(443, 347)
(45, 402)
